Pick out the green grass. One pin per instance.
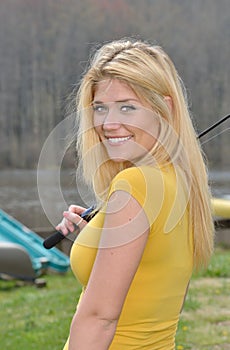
(205, 320)
(219, 265)
(32, 318)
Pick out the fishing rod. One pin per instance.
(213, 126)
(58, 236)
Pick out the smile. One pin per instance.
(115, 140)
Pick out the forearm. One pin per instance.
(91, 332)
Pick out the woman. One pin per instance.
(140, 154)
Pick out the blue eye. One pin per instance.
(99, 108)
(127, 108)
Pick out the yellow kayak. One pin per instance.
(221, 207)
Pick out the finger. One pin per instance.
(69, 224)
(62, 229)
(76, 209)
(65, 226)
(72, 217)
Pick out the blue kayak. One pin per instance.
(14, 232)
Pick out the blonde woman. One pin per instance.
(140, 154)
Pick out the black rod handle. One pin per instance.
(58, 236)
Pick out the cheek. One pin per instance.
(149, 130)
(153, 128)
(147, 122)
(98, 130)
(97, 122)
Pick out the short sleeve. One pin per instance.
(146, 185)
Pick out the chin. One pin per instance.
(119, 160)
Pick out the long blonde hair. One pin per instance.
(151, 74)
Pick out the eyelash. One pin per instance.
(104, 109)
(128, 108)
(100, 108)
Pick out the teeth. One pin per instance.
(118, 139)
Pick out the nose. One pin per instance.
(111, 120)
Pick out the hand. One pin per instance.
(71, 218)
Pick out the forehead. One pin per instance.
(110, 90)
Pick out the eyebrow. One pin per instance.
(124, 100)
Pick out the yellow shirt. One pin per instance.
(152, 307)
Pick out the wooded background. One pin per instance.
(45, 44)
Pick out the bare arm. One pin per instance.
(95, 321)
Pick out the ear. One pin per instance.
(169, 102)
